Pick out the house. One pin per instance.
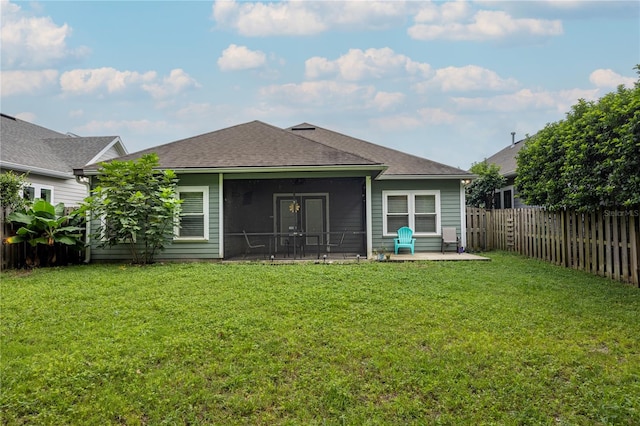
(275, 183)
(48, 158)
(507, 196)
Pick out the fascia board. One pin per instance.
(35, 170)
(123, 150)
(426, 177)
(232, 170)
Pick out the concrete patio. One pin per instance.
(353, 257)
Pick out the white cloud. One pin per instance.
(194, 110)
(467, 78)
(483, 25)
(386, 100)
(446, 12)
(357, 64)
(436, 116)
(317, 67)
(29, 41)
(421, 118)
(240, 58)
(320, 93)
(262, 19)
(27, 116)
(294, 18)
(88, 81)
(527, 100)
(397, 122)
(111, 81)
(607, 78)
(115, 127)
(371, 15)
(27, 82)
(177, 82)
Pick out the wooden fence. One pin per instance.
(606, 242)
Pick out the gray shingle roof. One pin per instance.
(256, 144)
(30, 146)
(506, 158)
(400, 163)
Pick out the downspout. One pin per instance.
(368, 217)
(87, 251)
(221, 216)
(463, 215)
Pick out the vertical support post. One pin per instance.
(368, 219)
(463, 216)
(221, 216)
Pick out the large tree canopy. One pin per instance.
(589, 160)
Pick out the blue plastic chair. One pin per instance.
(405, 239)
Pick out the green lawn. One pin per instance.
(511, 341)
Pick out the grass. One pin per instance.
(511, 341)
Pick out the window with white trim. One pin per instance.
(193, 223)
(419, 210)
(33, 190)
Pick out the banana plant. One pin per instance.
(45, 224)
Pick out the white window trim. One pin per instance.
(205, 207)
(37, 188)
(411, 200)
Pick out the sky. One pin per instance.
(447, 81)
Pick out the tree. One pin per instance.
(136, 205)
(481, 191)
(10, 186)
(589, 160)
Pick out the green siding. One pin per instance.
(181, 250)
(449, 209)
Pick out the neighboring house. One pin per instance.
(507, 196)
(265, 180)
(48, 158)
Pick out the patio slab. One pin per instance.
(436, 256)
(352, 257)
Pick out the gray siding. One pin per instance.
(66, 191)
(108, 155)
(449, 209)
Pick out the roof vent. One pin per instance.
(513, 138)
(303, 128)
(8, 116)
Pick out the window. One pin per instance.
(419, 210)
(507, 197)
(34, 190)
(194, 217)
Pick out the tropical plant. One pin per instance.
(48, 225)
(135, 204)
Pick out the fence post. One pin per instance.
(634, 254)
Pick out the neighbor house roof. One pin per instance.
(29, 147)
(257, 145)
(400, 164)
(506, 158)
